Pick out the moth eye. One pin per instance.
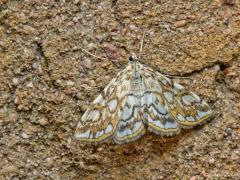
(131, 59)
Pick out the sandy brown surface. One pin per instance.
(47, 82)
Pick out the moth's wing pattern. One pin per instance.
(99, 122)
(182, 108)
(156, 113)
(189, 109)
(130, 127)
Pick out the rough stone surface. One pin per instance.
(47, 81)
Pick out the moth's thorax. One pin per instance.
(136, 81)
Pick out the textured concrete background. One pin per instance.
(46, 83)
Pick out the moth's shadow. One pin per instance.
(115, 159)
(152, 143)
(142, 150)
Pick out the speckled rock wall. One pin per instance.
(47, 81)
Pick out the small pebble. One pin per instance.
(70, 83)
(30, 84)
(87, 63)
(194, 7)
(35, 65)
(211, 161)
(99, 149)
(230, 2)
(193, 178)
(59, 83)
(180, 23)
(15, 81)
(43, 121)
(112, 51)
(75, 19)
(49, 161)
(167, 27)
(28, 29)
(24, 135)
(34, 172)
(40, 69)
(16, 100)
(133, 27)
(229, 131)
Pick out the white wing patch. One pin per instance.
(130, 126)
(157, 116)
(137, 100)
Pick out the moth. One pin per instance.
(140, 99)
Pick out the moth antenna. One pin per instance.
(177, 77)
(141, 47)
(91, 54)
(98, 57)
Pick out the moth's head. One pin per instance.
(133, 58)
